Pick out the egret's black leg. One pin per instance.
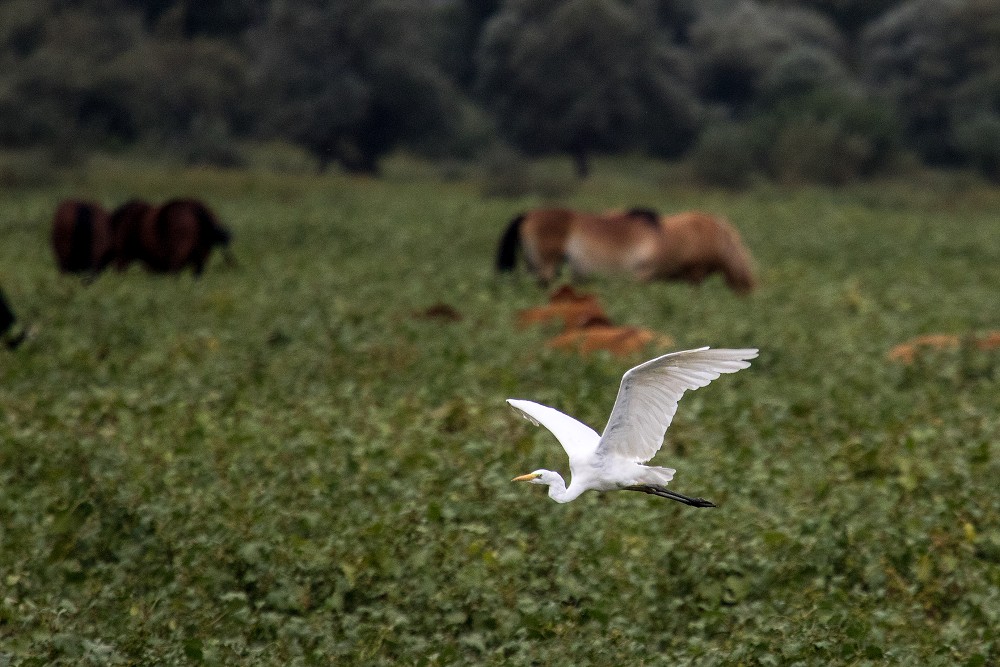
(664, 492)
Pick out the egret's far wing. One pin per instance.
(578, 439)
(648, 396)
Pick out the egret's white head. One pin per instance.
(537, 477)
(553, 480)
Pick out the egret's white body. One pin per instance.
(646, 403)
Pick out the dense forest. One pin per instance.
(814, 90)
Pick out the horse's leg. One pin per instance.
(577, 272)
(199, 257)
(186, 247)
(645, 272)
(546, 274)
(696, 274)
(540, 265)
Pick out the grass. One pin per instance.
(279, 464)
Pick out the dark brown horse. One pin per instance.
(81, 237)
(170, 237)
(125, 223)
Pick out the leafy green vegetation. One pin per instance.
(280, 464)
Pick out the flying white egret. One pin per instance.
(646, 403)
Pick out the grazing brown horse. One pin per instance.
(640, 243)
(178, 234)
(697, 244)
(590, 243)
(125, 223)
(81, 237)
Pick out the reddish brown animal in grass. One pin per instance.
(181, 233)
(565, 305)
(81, 237)
(620, 341)
(126, 221)
(586, 327)
(439, 311)
(688, 246)
(909, 351)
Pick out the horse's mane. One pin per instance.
(649, 215)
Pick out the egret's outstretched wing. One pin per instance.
(648, 396)
(578, 439)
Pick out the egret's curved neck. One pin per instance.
(558, 491)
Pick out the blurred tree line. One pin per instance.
(814, 90)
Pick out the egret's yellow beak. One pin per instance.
(526, 478)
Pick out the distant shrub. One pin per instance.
(279, 157)
(505, 173)
(825, 136)
(26, 125)
(727, 154)
(978, 138)
(452, 170)
(832, 136)
(817, 151)
(468, 132)
(26, 169)
(552, 184)
(508, 173)
(210, 143)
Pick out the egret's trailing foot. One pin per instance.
(664, 492)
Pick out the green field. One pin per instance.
(280, 464)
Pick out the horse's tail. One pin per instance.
(81, 257)
(737, 263)
(511, 239)
(8, 332)
(7, 319)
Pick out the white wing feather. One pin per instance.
(578, 439)
(648, 396)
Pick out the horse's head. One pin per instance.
(222, 236)
(222, 239)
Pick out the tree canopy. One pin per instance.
(350, 80)
(581, 76)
